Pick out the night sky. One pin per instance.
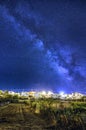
(43, 45)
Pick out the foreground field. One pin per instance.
(18, 117)
(43, 115)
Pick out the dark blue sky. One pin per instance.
(43, 44)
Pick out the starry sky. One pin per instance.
(43, 45)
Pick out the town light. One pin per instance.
(50, 93)
(43, 92)
(61, 93)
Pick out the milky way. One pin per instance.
(43, 45)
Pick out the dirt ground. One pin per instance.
(18, 117)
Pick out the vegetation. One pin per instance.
(41, 114)
(61, 115)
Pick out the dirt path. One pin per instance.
(18, 117)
